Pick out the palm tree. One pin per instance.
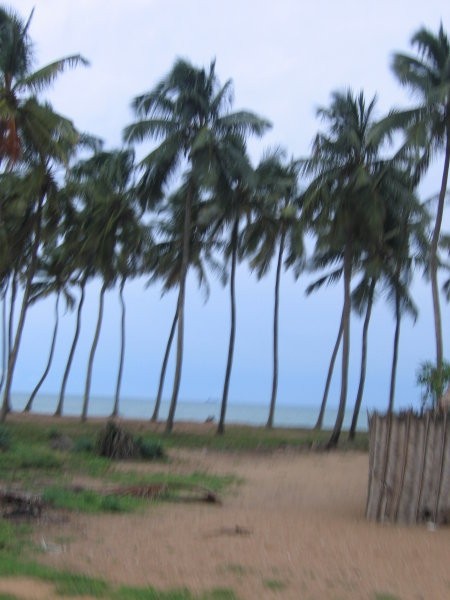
(165, 259)
(40, 193)
(22, 118)
(341, 203)
(275, 229)
(109, 222)
(427, 127)
(51, 274)
(32, 133)
(188, 111)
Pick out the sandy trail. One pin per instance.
(293, 529)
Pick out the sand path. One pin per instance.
(293, 529)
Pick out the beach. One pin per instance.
(292, 526)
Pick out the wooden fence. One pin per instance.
(409, 468)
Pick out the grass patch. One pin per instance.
(236, 437)
(89, 501)
(274, 584)
(72, 584)
(386, 597)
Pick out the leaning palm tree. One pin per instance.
(51, 278)
(102, 183)
(165, 259)
(341, 202)
(427, 128)
(34, 134)
(275, 229)
(188, 112)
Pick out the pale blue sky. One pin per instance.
(285, 59)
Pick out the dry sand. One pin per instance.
(294, 528)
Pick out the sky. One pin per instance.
(285, 58)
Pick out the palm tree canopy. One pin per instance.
(19, 85)
(189, 112)
(427, 75)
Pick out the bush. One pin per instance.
(83, 444)
(5, 439)
(433, 382)
(150, 450)
(117, 443)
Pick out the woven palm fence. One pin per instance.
(409, 468)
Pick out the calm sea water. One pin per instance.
(138, 408)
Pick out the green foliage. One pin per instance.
(7, 534)
(12, 538)
(274, 584)
(89, 501)
(115, 442)
(5, 438)
(71, 584)
(83, 444)
(150, 449)
(81, 585)
(433, 382)
(53, 433)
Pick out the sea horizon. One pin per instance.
(199, 411)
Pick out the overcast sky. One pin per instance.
(285, 58)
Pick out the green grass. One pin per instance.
(386, 597)
(72, 584)
(236, 437)
(274, 584)
(90, 501)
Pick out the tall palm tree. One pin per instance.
(188, 112)
(427, 127)
(51, 278)
(102, 183)
(34, 134)
(341, 202)
(166, 256)
(274, 230)
(40, 193)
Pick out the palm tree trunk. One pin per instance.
(180, 310)
(162, 375)
(115, 411)
(4, 336)
(273, 398)
(319, 422)
(434, 258)
(50, 357)
(59, 408)
(87, 387)
(223, 408)
(334, 439)
(395, 353)
(362, 376)
(23, 310)
(12, 305)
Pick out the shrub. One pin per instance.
(83, 444)
(149, 449)
(115, 442)
(5, 439)
(433, 382)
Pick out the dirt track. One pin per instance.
(293, 529)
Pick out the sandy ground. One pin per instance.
(294, 528)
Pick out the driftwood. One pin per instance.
(20, 504)
(178, 491)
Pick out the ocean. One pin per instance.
(140, 408)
